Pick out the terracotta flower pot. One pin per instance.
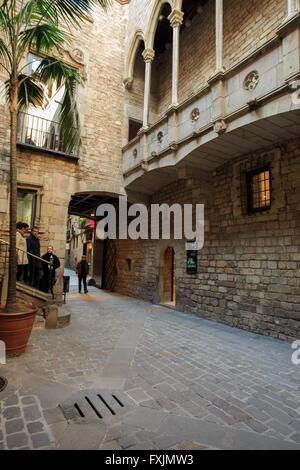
(16, 323)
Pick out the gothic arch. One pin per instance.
(152, 24)
(138, 37)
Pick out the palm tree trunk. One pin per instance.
(12, 271)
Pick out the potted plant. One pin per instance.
(35, 25)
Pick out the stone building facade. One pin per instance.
(219, 121)
(187, 101)
(97, 52)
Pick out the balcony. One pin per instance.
(39, 134)
(240, 110)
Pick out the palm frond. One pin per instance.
(76, 10)
(31, 92)
(53, 71)
(4, 18)
(43, 38)
(35, 12)
(5, 57)
(69, 117)
(5, 24)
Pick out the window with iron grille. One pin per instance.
(259, 190)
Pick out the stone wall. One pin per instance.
(247, 25)
(248, 271)
(101, 107)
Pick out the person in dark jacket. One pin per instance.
(48, 279)
(34, 248)
(82, 270)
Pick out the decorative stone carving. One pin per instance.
(176, 18)
(128, 82)
(251, 81)
(135, 152)
(160, 137)
(174, 146)
(77, 54)
(220, 126)
(253, 104)
(195, 114)
(148, 55)
(145, 167)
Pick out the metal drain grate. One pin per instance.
(94, 405)
(3, 383)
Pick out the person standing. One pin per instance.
(22, 258)
(34, 248)
(49, 269)
(82, 270)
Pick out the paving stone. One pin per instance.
(12, 412)
(16, 441)
(35, 427)
(14, 425)
(32, 413)
(111, 445)
(193, 446)
(295, 437)
(28, 400)
(11, 400)
(279, 427)
(243, 387)
(53, 415)
(40, 440)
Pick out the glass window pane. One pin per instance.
(26, 206)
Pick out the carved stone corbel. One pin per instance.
(220, 126)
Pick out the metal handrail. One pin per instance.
(42, 133)
(3, 242)
(30, 271)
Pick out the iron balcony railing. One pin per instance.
(41, 133)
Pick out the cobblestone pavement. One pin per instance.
(192, 384)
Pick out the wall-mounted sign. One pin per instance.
(191, 261)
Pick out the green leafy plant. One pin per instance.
(39, 26)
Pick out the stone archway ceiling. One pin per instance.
(260, 135)
(85, 204)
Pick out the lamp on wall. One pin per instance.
(199, 9)
(188, 23)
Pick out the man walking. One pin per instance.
(82, 270)
(34, 248)
(48, 280)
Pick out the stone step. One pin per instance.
(56, 316)
(27, 294)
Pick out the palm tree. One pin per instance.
(40, 26)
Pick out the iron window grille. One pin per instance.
(259, 190)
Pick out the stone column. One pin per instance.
(219, 36)
(175, 18)
(148, 56)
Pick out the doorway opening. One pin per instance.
(168, 281)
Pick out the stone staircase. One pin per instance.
(52, 313)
